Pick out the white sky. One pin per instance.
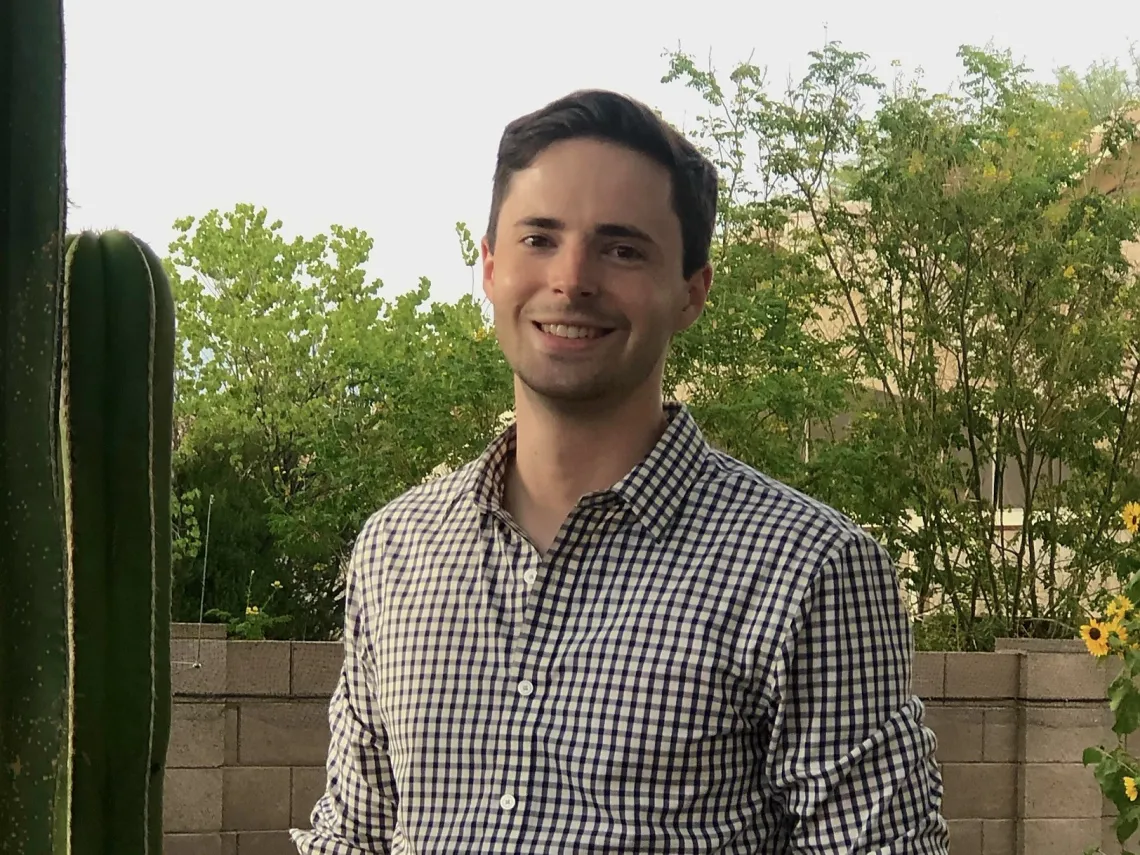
(385, 116)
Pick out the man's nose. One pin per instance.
(573, 272)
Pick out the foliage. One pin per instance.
(923, 315)
(306, 400)
(960, 302)
(1102, 91)
(252, 625)
(751, 369)
(1114, 637)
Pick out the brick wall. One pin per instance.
(248, 742)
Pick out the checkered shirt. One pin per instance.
(705, 661)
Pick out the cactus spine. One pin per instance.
(33, 635)
(115, 419)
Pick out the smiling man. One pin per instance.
(604, 635)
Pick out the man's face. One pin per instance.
(586, 279)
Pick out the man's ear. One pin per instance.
(487, 254)
(697, 289)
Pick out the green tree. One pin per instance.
(764, 385)
(306, 400)
(1104, 89)
(981, 298)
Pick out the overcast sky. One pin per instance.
(385, 116)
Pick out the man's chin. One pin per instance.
(572, 392)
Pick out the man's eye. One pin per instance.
(536, 241)
(627, 252)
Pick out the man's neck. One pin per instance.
(560, 456)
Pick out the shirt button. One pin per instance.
(507, 802)
(529, 576)
(526, 688)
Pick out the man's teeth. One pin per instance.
(563, 331)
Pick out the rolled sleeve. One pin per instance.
(850, 761)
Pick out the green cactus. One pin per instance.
(100, 790)
(33, 617)
(115, 418)
(86, 418)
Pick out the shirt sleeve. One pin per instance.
(356, 814)
(850, 762)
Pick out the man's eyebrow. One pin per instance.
(605, 229)
(625, 231)
(548, 223)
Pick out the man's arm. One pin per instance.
(357, 812)
(850, 759)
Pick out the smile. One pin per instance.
(569, 331)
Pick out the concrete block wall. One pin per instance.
(248, 741)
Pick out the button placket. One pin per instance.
(511, 778)
(517, 726)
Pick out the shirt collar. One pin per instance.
(654, 490)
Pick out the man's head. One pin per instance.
(597, 248)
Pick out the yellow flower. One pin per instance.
(1130, 788)
(276, 585)
(1070, 272)
(1119, 608)
(1096, 637)
(251, 610)
(1118, 629)
(1131, 516)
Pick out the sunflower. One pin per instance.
(1095, 635)
(1131, 516)
(1119, 608)
(1130, 789)
(1118, 629)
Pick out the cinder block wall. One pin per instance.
(247, 743)
(247, 752)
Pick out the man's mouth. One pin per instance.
(571, 331)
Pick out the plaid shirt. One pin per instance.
(706, 661)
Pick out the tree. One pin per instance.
(764, 386)
(1104, 89)
(306, 400)
(979, 293)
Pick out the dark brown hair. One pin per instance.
(608, 116)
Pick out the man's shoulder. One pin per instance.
(423, 506)
(773, 509)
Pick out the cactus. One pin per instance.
(93, 784)
(115, 421)
(86, 417)
(33, 625)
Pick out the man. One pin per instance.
(603, 635)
